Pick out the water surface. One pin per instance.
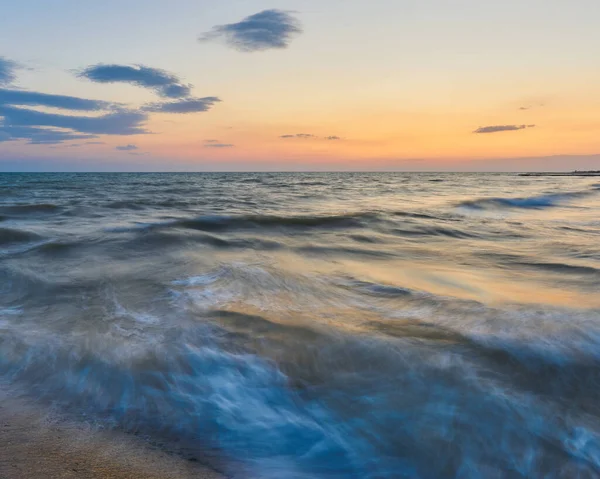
(314, 325)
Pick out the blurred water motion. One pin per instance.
(314, 325)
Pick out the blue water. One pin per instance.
(313, 325)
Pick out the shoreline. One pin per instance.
(40, 445)
(575, 174)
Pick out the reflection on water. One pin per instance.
(314, 325)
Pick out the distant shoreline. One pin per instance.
(566, 173)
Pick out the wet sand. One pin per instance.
(38, 445)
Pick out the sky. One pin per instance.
(296, 85)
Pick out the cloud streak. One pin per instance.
(187, 105)
(500, 128)
(304, 136)
(32, 98)
(129, 147)
(308, 136)
(7, 71)
(217, 144)
(39, 136)
(165, 84)
(124, 122)
(266, 30)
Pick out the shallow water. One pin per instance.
(314, 325)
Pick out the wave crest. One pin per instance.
(532, 202)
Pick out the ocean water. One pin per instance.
(314, 325)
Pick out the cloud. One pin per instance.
(307, 136)
(7, 70)
(39, 136)
(269, 29)
(187, 105)
(32, 98)
(95, 143)
(20, 118)
(499, 128)
(298, 135)
(19, 123)
(123, 122)
(162, 82)
(216, 144)
(529, 107)
(129, 147)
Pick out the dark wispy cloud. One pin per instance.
(32, 98)
(269, 29)
(95, 143)
(217, 144)
(187, 105)
(298, 135)
(129, 147)
(39, 136)
(532, 106)
(308, 136)
(499, 128)
(122, 122)
(162, 82)
(7, 71)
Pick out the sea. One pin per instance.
(313, 325)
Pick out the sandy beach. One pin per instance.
(37, 445)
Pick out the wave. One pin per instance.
(344, 251)
(560, 268)
(229, 223)
(407, 214)
(291, 401)
(357, 220)
(532, 202)
(10, 236)
(219, 368)
(133, 204)
(366, 239)
(376, 289)
(30, 208)
(313, 183)
(433, 232)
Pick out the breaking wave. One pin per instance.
(534, 202)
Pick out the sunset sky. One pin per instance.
(199, 85)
